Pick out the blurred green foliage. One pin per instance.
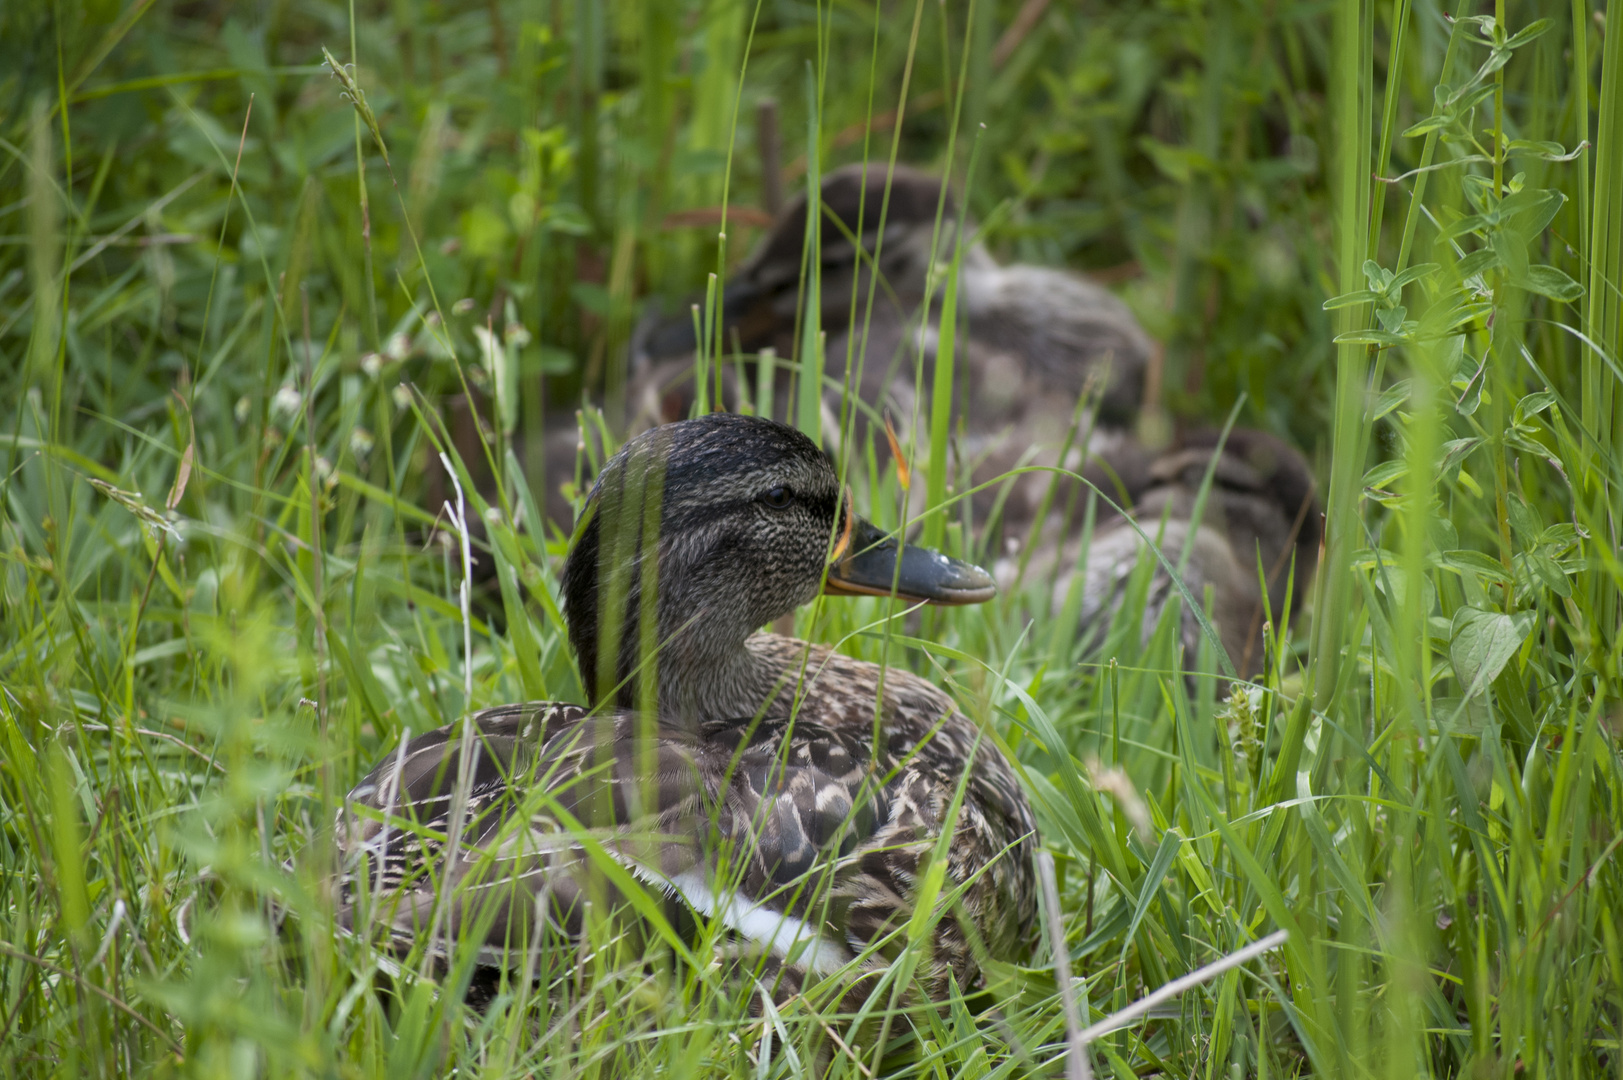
(231, 336)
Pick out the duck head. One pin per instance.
(761, 301)
(726, 523)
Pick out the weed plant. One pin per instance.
(239, 287)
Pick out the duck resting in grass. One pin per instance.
(793, 794)
(1030, 340)
(1252, 544)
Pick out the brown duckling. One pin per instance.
(792, 794)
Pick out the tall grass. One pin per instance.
(224, 592)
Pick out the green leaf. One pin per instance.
(1496, 60)
(1385, 473)
(1476, 262)
(1176, 163)
(1532, 30)
(1533, 218)
(1390, 399)
(1451, 354)
(1548, 281)
(1560, 536)
(1547, 572)
(1391, 319)
(1467, 313)
(1472, 98)
(1471, 397)
(1465, 560)
(1533, 404)
(1522, 519)
(1369, 337)
(1457, 450)
(1547, 151)
(1393, 582)
(1482, 644)
(1414, 273)
(1428, 125)
(1362, 296)
(1470, 223)
(1379, 278)
(1511, 247)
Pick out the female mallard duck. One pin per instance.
(1030, 339)
(787, 791)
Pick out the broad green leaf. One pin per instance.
(1522, 519)
(1477, 562)
(1477, 261)
(1511, 247)
(1533, 218)
(1547, 572)
(1560, 536)
(1391, 319)
(1549, 281)
(1393, 582)
(1483, 643)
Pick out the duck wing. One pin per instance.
(755, 832)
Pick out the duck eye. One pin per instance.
(778, 498)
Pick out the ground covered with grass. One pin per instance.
(239, 284)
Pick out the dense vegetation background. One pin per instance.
(219, 281)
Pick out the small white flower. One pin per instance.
(517, 335)
(360, 443)
(402, 396)
(372, 364)
(462, 306)
(398, 347)
(243, 408)
(287, 402)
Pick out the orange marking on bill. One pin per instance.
(904, 476)
(844, 542)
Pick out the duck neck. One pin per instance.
(707, 681)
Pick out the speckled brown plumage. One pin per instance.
(766, 790)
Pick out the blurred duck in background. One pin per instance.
(1049, 366)
(1029, 341)
(1247, 554)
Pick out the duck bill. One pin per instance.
(874, 564)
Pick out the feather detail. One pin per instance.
(795, 832)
